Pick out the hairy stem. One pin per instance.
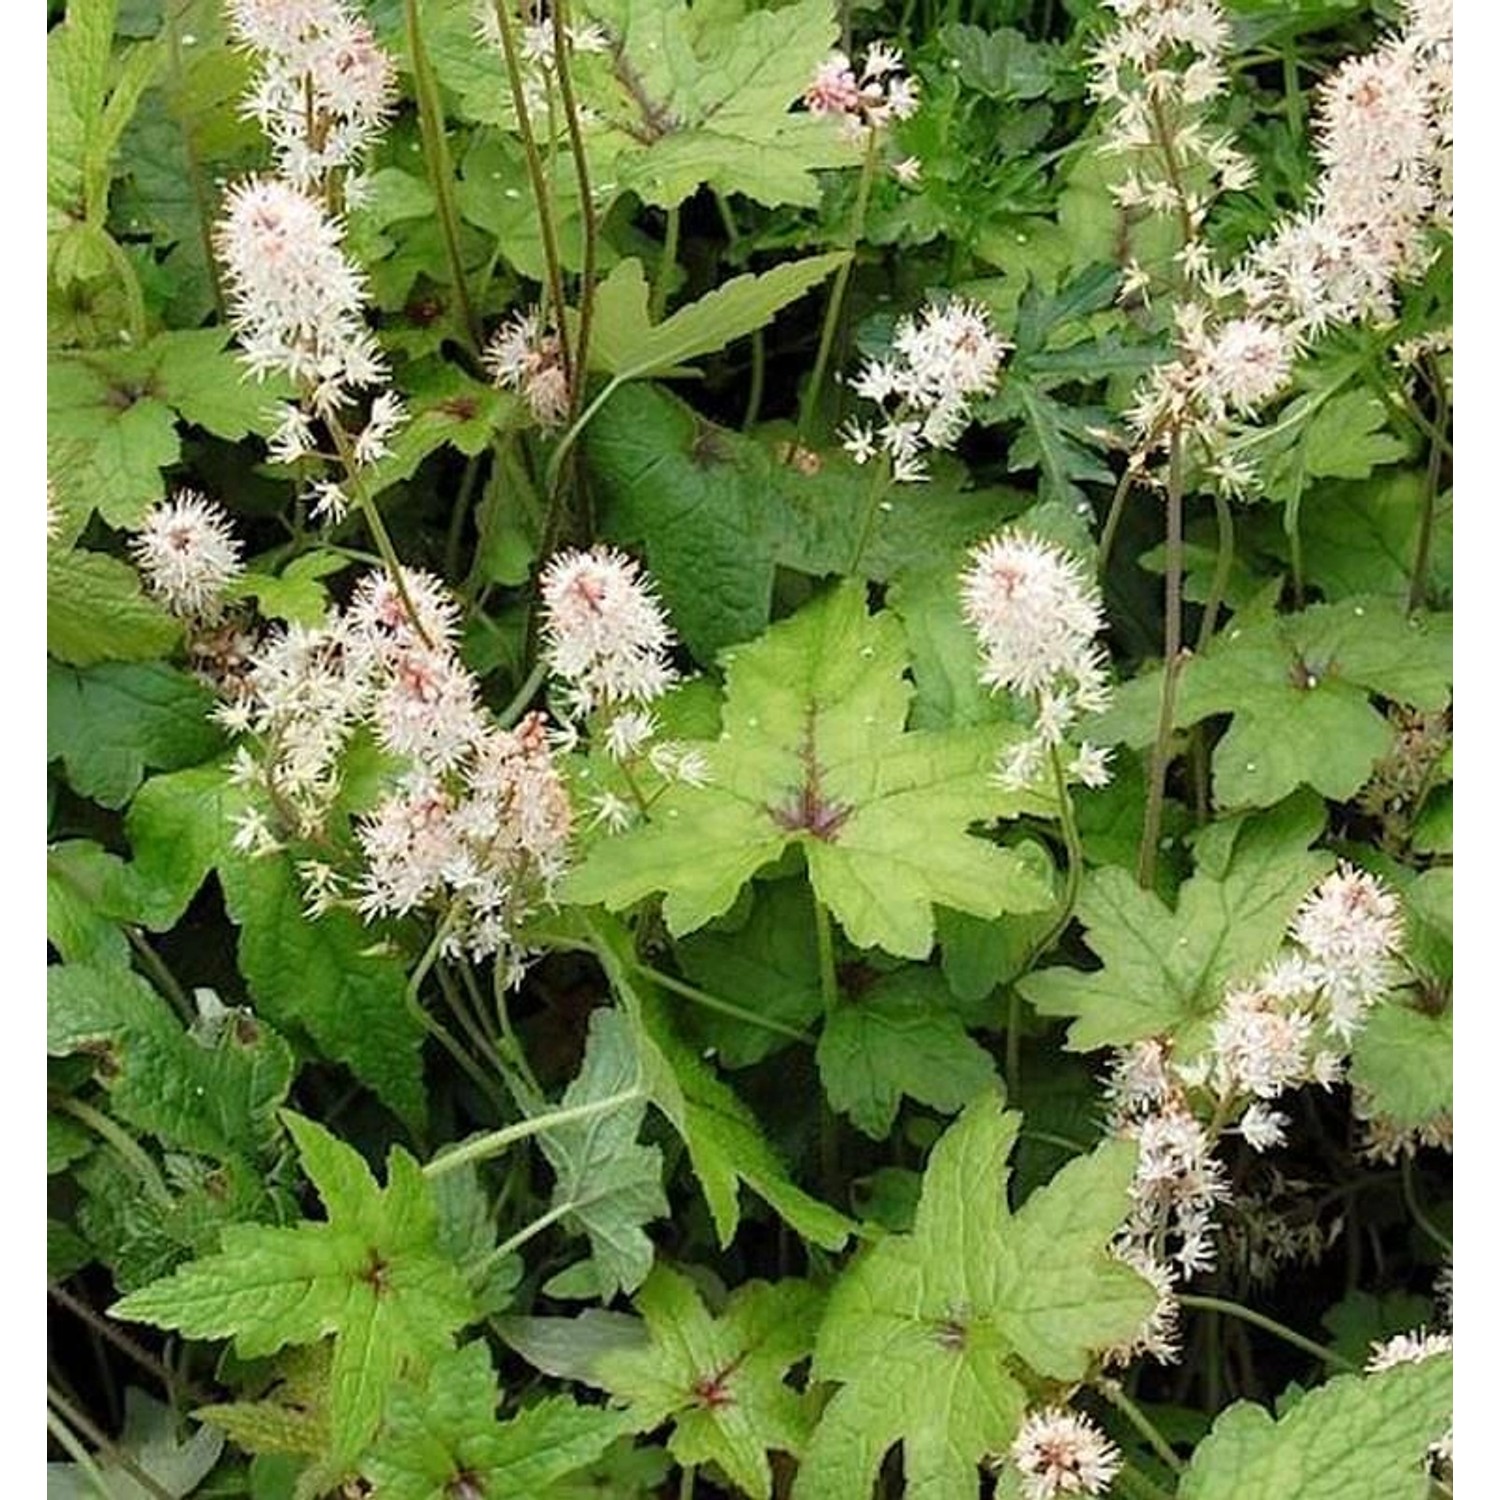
(666, 265)
(1114, 1393)
(1223, 563)
(482, 1147)
(562, 58)
(1417, 596)
(835, 308)
(125, 1145)
(1172, 666)
(439, 163)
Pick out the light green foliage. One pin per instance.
(721, 1381)
(1403, 1060)
(1299, 688)
(703, 95)
(297, 593)
(111, 721)
(150, 1440)
(213, 1090)
(1359, 537)
(813, 754)
(89, 893)
(901, 1037)
(371, 1275)
(96, 611)
(123, 406)
(1164, 969)
(934, 1337)
(441, 1436)
(609, 1183)
(625, 346)
(1357, 1435)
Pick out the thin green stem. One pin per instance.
(529, 1232)
(813, 394)
(757, 380)
(1134, 1483)
(1172, 666)
(373, 519)
(880, 483)
(687, 1482)
(117, 1455)
(1270, 1325)
(511, 713)
(538, 176)
(666, 265)
(1223, 563)
(435, 1028)
(130, 284)
(458, 1005)
(125, 1145)
(1414, 1207)
(1417, 596)
(571, 436)
(439, 163)
(482, 1147)
(723, 1007)
(78, 1453)
(1114, 1393)
(161, 976)
(828, 977)
(1113, 517)
(1073, 850)
(561, 54)
(453, 543)
(512, 1041)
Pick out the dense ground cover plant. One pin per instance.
(750, 749)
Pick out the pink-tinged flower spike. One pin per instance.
(296, 300)
(1060, 1452)
(867, 101)
(606, 633)
(523, 356)
(188, 555)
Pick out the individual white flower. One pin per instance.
(1061, 1452)
(867, 101)
(188, 555)
(605, 633)
(1407, 1349)
(523, 356)
(1263, 1127)
(1350, 927)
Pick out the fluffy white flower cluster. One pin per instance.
(1036, 615)
(323, 89)
(1289, 1026)
(940, 360)
(607, 640)
(1157, 71)
(1384, 140)
(296, 298)
(525, 356)
(476, 825)
(866, 101)
(1062, 1452)
(188, 555)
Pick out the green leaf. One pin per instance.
(625, 345)
(1165, 970)
(110, 721)
(610, 1183)
(901, 1037)
(721, 1381)
(371, 1275)
(1361, 537)
(150, 1441)
(1299, 689)
(1403, 1060)
(813, 754)
(297, 593)
(324, 978)
(704, 93)
(936, 1338)
(1358, 1435)
(179, 829)
(96, 612)
(441, 1437)
(214, 1090)
(769, 966)
(724, 1140)
(89, 893)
